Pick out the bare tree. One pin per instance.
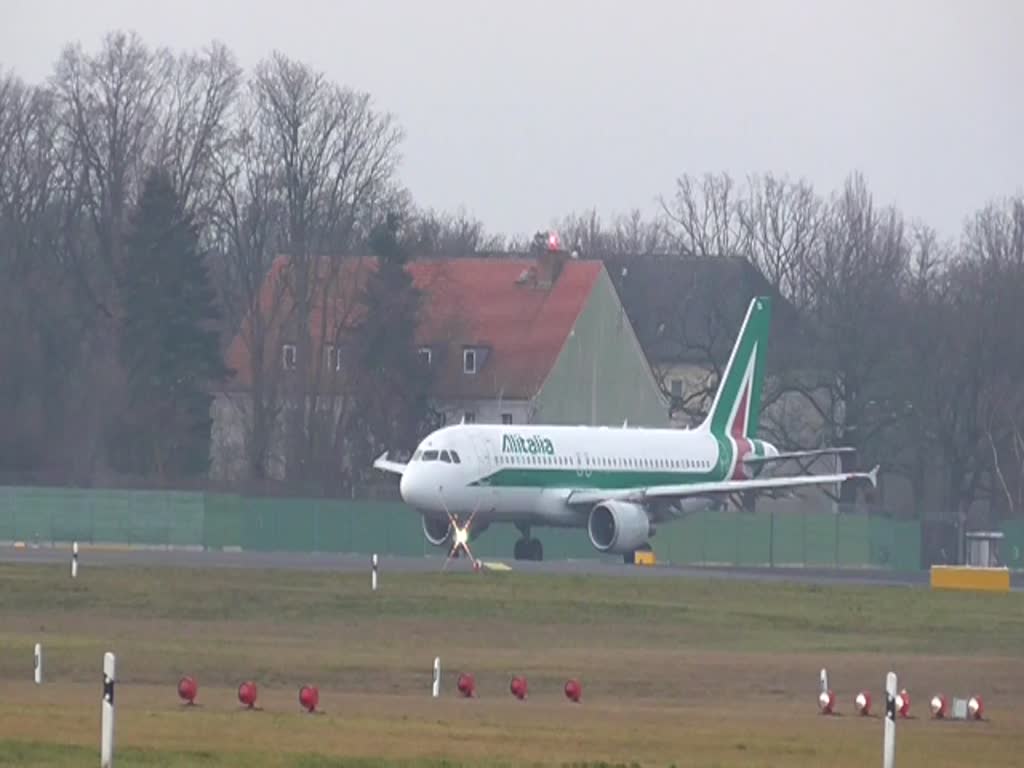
(704, 217)
(782, 224)
(432, 233)
(853, 287)
(193, 127)
(40, 394)
(316, 166)
(111, 109)
(627, 235)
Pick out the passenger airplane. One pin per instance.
(617, 483)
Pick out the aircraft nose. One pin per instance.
(411, 487)
(405, 486)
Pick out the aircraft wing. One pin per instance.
(797, 455)
(382, 463)
(667, 492)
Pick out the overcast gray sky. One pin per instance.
(522, 111)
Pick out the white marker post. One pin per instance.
(373, 578)
(437, 677)
(824, 681)
(107, 727)
(39, 664)
(889, 742)
(74, 560)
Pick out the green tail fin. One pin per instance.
(736, 410)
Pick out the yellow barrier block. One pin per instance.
(644, 557)
(966, 577)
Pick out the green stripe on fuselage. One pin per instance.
(608, 478)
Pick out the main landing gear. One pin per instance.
(527, 548)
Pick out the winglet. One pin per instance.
(873, 476)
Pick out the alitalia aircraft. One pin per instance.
(617, 483)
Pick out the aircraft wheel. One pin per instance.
(536, 550)
(520, 550)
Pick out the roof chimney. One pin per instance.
(550, 262)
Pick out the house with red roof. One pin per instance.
(512, 340)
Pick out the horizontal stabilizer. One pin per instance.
(384, 465)
(797, 455)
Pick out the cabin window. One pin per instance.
(469, 361)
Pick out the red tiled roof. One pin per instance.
(466, 302)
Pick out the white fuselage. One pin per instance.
(524, 474)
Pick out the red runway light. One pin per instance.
(309, 697)
(573, 690)
(827, 702)
(187, 690)
(903, 703)
(976, 708)
(863, 703)
(247, 694)
(518, 687)
(467, 685)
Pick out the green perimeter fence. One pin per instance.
(218, 521)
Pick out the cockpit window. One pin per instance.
(430, 455)
(455, 458)
(445, 457)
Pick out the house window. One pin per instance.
(469, 361)
(333, 358)
(506, 418)
(289, 357)
(469, 417)
(426, 355)
(677, 387)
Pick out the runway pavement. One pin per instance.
(185, 558)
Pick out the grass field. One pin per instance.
(674, 671)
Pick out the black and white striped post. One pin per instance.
(107, 719)
(889, 739)
(373, 577)
(39, 664)
(74, 560)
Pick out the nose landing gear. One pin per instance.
(460, 541)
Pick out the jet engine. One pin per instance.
(438, 530)
(618, 527)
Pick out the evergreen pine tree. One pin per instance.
(169, 343)
(394, 392)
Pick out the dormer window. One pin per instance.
(289, 357)
(426, 355)
(469, 361)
